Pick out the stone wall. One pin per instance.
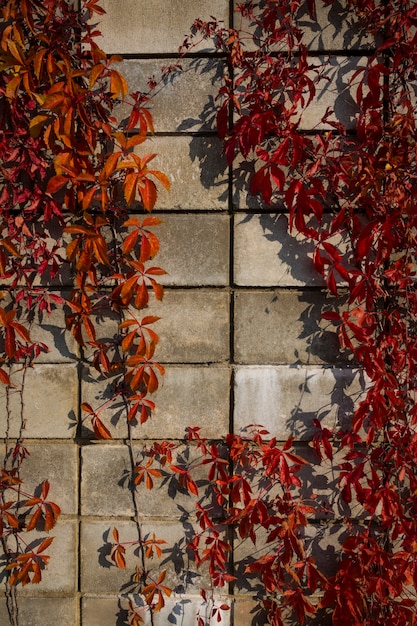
(241, 333)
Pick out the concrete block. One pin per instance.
(98, 573)
(196, 168)
(183, 102)
(194, 250)
(284, 327)
(266, 254)
(178, 611)
(57, 463)
(102, 611)
(155, 26)
(51, 330)
(60, 576)
(336, 90)
(186, 396)
(286, 399)
(335, 28)
(50, 402)
(194, 326)
(43, 611)
(106, 469)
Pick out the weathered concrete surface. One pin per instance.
(50, 402)
(155, 26)
(194, 250)
(44, 611)
(199, 78)
(283, 327)
(196, 169)
(286, 399)
(207, 387)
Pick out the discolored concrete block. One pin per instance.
(198, 78)
(284, 327)
(97, 572)
(207, 387)
(155, 26)
(50, 402)
(44, 611)
(194, 250)
(57, 463)
(286, 399)
(196, 169)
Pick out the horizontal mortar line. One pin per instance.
(109, 443)
(185, 212)
(286, 288)
(155, 56)
(188, 133)
(304, 366)
(126, 518)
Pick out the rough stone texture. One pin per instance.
(194, 326)
(331, 31)
(106, 468)
(44, 611)
(98, 574)
(283, 327)
(156, 26)
(209, 388)
(194, 250)
(286, 399)
(199, 78)
(50, 402)
(266, 254)
(196, 169)
(178, 610)
(58, 463)
(61, 574)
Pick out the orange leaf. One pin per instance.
(148, 194)
(100, 430)
(129, 189)
(4, 377)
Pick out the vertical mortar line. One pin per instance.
(78, 443)
(231, 588)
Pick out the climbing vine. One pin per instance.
(74, 183)
(352, 192)
(74, 186)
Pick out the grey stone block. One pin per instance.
(197, 171)
(178, 610)
(266, 254)
(194, 250)
(185, 100)
(62, 346)
(58, 464)
(335, 28)
(60, 576)
(336, 90)
(44, 611)
(102, 611)
(107, 469)
(287, 399)
(194, 326)
(284, 327)
(155, 26)
(97, 572)
(50, 402)
(187, 396)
